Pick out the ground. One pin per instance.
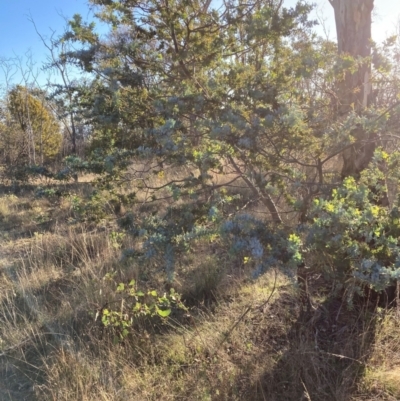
(272, 338)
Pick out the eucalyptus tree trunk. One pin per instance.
(353, 27)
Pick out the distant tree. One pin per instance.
(12, 138)
(41, 132)
(64, 94)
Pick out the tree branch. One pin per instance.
(265, 198)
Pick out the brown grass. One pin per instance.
(231, 345)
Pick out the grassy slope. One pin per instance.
(232, 346)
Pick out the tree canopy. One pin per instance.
(31, 131)
(231, 95)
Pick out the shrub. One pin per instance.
(353, 238)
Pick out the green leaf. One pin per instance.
(121, 287)
(164, 313)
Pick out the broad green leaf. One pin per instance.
(164, 313)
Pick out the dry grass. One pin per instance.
(195, 361)
(382, 376)
(232, 345)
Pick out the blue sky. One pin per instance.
(17, 35)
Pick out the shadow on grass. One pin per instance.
(23, 189)
(25, 364)
(329, 346)
(21, 367)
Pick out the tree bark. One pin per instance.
(353, 27)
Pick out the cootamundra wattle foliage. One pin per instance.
(235, 89)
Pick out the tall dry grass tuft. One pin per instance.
(382, 375)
